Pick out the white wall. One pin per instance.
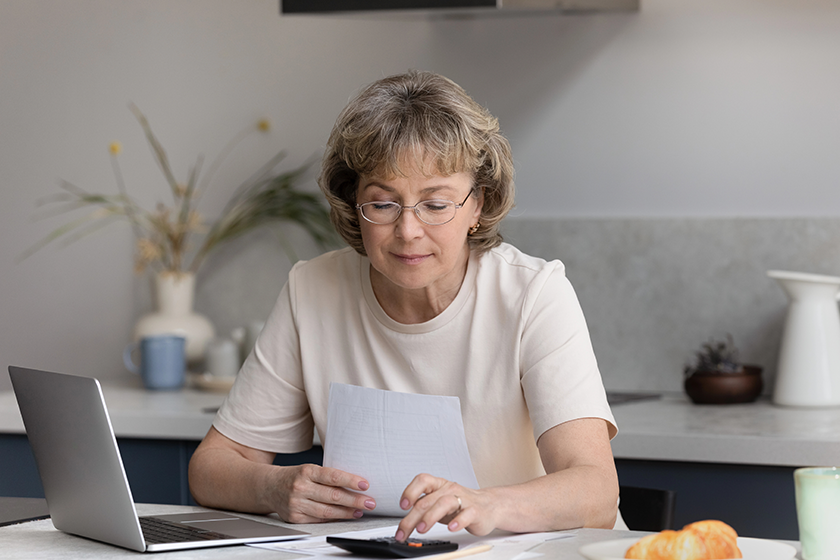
(687, 108)
(696, 108)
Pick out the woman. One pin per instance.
(427, 299)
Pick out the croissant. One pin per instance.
(703, 540)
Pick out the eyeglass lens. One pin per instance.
(432, 212)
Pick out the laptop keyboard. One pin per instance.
(160, 531)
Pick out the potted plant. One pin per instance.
(718, 377)
(173, 239)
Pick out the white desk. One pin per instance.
(39, 539)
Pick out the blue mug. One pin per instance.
(162, 361)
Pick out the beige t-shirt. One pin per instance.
(513, 346)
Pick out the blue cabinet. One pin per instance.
(156, 468)
(757, 500)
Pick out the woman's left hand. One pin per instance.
(437, 500)
(580, 490)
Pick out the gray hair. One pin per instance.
(417, 120)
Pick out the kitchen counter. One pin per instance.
(669, 428)
(157, 432)
(672, 428)
(137, 413)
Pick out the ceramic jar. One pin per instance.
(174, 295)
(808, 374)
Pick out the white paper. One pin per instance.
(505, 544)
(389, 438)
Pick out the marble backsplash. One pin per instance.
(652, 290)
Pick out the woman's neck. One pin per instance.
(413, 306)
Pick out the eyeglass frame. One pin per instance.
(413, 207)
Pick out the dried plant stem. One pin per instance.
(163, 236)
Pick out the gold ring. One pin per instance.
(457, 511)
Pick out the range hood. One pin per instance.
(454, 6)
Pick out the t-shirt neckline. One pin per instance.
(443, 318)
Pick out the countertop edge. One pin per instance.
(666, 429)
(731, 450)
(186, 414)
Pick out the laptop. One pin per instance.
(84, 479)
(21, 510)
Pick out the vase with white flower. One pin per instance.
(173, 240)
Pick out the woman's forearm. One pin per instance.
(582, 496)
(222, 478)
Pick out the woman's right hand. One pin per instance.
(227, 475)
(314, 494)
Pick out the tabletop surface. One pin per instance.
(39, 539)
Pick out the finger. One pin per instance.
(442, 510)
(450, 516)
(422, 484)
(335, 496)
(318, 514)
(329, 476)
(428, 510)
(330, 512)
(312, 503)
(461, 518)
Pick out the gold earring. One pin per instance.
(475, 228)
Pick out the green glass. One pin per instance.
(818, 512)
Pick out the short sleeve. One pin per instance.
(267, 408)
(559, 372)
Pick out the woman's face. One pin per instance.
(408, 253)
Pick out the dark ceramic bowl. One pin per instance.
(714, 387)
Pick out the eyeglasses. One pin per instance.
(431, 212)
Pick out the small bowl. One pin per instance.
(715, 387)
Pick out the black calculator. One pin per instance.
(389, 547)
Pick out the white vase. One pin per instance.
(808, 374)
(174, 295)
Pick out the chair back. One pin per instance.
(647, 509)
